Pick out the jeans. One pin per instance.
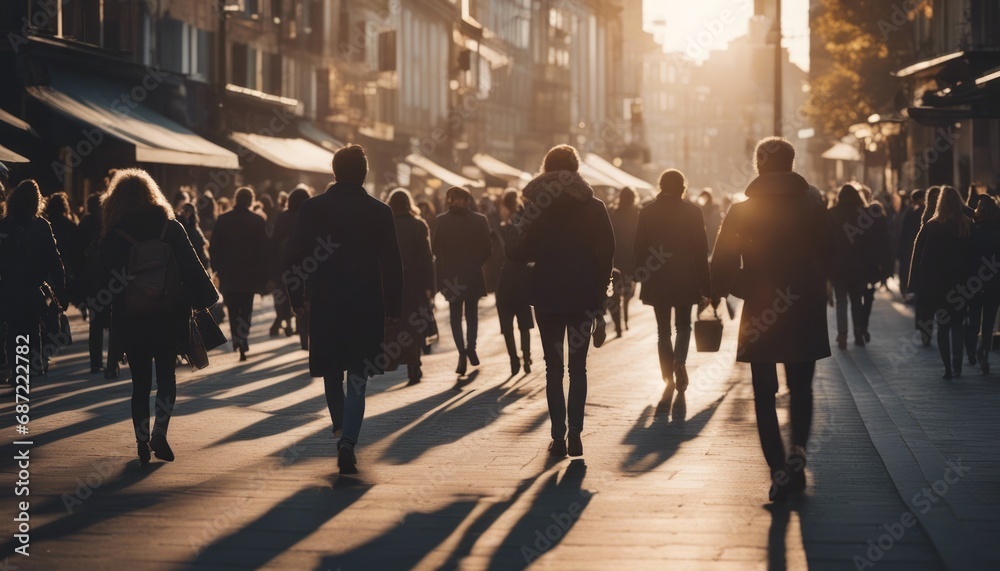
(347, 413)
(239, 306)
(951, 331)
(141, 358)
(676, 353)
(554, 328)
(623, 289)
(471, 307)
(982, 318)
(765, 387)
(843, 292)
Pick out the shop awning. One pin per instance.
(621, 177)
(14, 121)
(928, 66)
(9, 156)
(292, 154)
(437, 171)
(318, 136)
(842, 152)
(495, 167)
(109, 107)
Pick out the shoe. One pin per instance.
(972, 358)
(796, 469)
(515, 366)
(346, 460)
(289, 332)
(414, 374)
(575, 444)
(94, 369)
(143, 449)
(274, 331)
(925, 338)
(984, 364)
(473, 358)
(680, 370)
(956, 367)
(947, 373)
(527, 363)
(600, 331)
(859, 341)
(842, 342)
(557, 449)
(463, 364)
(868, 336)
(243, 355)
(158, 444)
(111, 372)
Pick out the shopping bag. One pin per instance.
(708, 333)
(211, 334)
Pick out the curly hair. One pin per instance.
(131, 191)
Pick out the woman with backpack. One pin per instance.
(164, 280)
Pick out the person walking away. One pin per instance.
(850, 263)
(567, 233)
(283, 227)
(418, 278)
(624, 220)
(354, 292)
(98, 313)
(67, 235)
(910, 225)
(513, 290)
(142, 240)
(239, 250)
(188, 217)
(29, 258)
(924, 310)
(713, 217)
(672, 248)
(942, 258)
(984, 305)
(461, 245)
(880, 261)
(773, 252)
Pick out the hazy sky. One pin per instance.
(698, 26)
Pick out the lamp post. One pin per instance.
(778, 60)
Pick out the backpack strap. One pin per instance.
(126, 236)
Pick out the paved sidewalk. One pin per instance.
(455, 475)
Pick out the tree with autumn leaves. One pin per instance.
(861, 43)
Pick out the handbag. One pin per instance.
(708, 333)
(196, 353)
(211, 334)
(64, 331)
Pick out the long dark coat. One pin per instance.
(942, 262)
(170, 326)
(624, 221)
(854, 239)
(70, 246)
(418, 272)
(462, 244)
(670, 253)
(20, 294)
(344, 251)
(783, 237)
(240, 251)
(515, 278)
(567, 233)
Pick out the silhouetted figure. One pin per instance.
(624, 220)
(942, 258)
(343, 257)
(188, 217)
(150, 312)
(851, 262)
(924, 308)
(566, 232)
(283, 228)
(57, 212)
(462, 244)
(98, 313)
(772, 252)
(910, 225)
(713, 217)
(985, 303)
(239, 251)
(513, 290)
(418, 279)
(29, 258)
(670, 254)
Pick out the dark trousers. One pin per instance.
(471, 307)
(867, 301)
(924, 318)
(950, 335)
(979, 329)
(239, 306)
(672, 354)
(765, 386)
(622, 290)
(525, 322)
(554, 329)
(842, 293)
(347, 413)
(141, 360)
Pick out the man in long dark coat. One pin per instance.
(344, 259)
(771, 253)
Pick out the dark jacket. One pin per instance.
(514, 289)
(782, 238)
(418, 271)
(462, 244)
(70, 247)
(567, 233)
(908, 232)
(344, 251)
(239, 251)
(28, 250)
(624, 220)
(853, 253)
(198, 241)
(941, 263)
(670, 253)
(169, 326)
(986, 248)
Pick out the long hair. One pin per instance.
(57, 206)
(930, 206)
(401, 202)
(25, 202)
(297, 197)
(950, 211)
(132, 191)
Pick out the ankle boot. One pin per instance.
(526, 349)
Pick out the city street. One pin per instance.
(455, 474)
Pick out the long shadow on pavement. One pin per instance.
(653, 445)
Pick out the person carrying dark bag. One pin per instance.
(147, 260)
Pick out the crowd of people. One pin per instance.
(356, 279)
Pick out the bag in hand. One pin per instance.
(708, 333)
(195, 352)
(211, 334)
